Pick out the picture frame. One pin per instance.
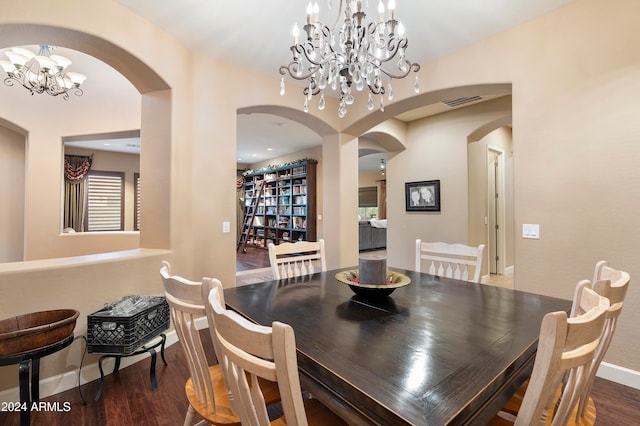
(423, 196)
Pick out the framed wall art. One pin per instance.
(422, 196)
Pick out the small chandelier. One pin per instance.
(360, 54)
(41, 73)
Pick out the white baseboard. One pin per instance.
(508, 270)
(69, 380)
(621, 375)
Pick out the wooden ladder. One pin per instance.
(249, 215)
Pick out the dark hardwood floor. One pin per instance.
(129, 400)
(254, 258)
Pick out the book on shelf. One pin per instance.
(283, 222)
(298, 222)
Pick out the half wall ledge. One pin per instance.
(74, 261)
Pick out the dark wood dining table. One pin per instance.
(435, 352)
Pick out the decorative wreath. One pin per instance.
(240, 182)
(76, 173)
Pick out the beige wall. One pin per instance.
(575, 73)
(12, 172)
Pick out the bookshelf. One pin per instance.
(286, 211)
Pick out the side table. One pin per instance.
(29, 368)
(150, 348)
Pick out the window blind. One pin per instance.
(136, 219)
(368, 196)
(105, 195)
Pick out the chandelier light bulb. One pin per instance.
(7, 66)
(61, 61)
(295, 33)
(353, 53)
(76, 78)
(17, 59)
(309, 12)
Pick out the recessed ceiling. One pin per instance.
(124, 145)
(264, 136)
(440, 107)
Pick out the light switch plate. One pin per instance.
(531, 230)
(226, 227)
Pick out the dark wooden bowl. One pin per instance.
(24, 333)
(372, 291)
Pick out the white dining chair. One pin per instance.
(206, 389)
(249, 352)
(612, 284)
(563, 363)
(450, 260)
(290, 260)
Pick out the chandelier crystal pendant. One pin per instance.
(358, 55)
(41, 73)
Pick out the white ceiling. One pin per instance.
(234, 32)
(256, 34)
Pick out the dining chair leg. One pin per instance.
(188, 419)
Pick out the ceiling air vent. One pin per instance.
(461, 101)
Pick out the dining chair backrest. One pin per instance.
(290, 260)
(612, 284)
(566, 348)
(207, 392)
(250, 352)
(450, 260)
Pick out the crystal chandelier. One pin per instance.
(360, 54)
(41, 73)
